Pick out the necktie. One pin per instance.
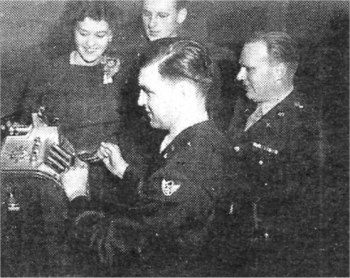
(253, 118)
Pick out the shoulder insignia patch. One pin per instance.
(169, 187)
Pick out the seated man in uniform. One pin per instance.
(177, 201)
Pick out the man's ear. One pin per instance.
(280, 71)
(186, 89)
(181, 16)
(110, 35)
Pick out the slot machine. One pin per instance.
(33, 202)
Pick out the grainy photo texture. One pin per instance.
(174, 138)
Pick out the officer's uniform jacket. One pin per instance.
(176, 202)
(276, 162)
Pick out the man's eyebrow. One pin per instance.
(144, 88)
(243, 64)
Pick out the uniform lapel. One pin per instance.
(273, 122)
(181, 140)
(243, 109)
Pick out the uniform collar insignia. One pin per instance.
(297, 104)
(248, 112)
(280, 114)
(169, 187)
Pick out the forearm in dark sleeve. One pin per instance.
(132, 175)
(81, 203)
(132, 179)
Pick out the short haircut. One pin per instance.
(182, 60)
(280, 46)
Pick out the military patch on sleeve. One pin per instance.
(169, 187)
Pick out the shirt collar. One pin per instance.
(190, 122)
(268, 105)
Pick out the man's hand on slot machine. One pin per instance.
(75, 180)
(111, 156)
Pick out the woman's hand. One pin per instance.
(111, 156)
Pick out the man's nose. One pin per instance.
(241, 74)
(141, 100)
(153, 21)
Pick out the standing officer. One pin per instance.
(176, 203)
(275, 149)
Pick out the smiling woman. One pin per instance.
(62, 35)
(80, 89)
(91, 39)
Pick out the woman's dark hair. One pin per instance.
(182, 60)
(61, 35)
(76, 11)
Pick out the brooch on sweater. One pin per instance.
(111, 67)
